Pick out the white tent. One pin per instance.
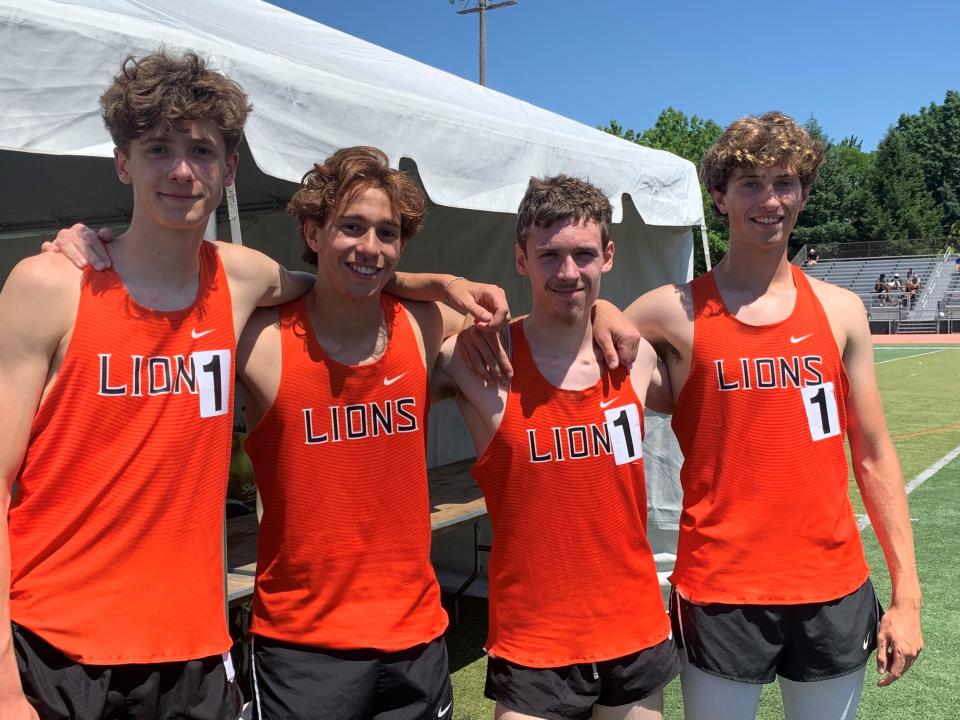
(315, 89)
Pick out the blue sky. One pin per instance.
(855, 65)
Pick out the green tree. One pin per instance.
(839, 198)
(901, 206)
(933, 137)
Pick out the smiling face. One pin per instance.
(177, 174)
(761, 204)
(359, 247)
(564, 263)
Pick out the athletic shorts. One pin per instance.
(297, 682)
(755, 643)
(570, 692)
(61, 689)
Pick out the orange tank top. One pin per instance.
(571, 577)
(343, 557)
(116, 526)
(761, 423)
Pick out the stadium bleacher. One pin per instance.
(951, 298)
(860, 274)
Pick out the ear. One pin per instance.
(312, 233)
(719, 199)
(521, 258)
(804, 196)
(607, 258)
(232, 163)
(120, 161)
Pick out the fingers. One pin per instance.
(628, 346)
(486, 303)
(609, 350)
(896, 666)
(882, 653)
(481, 315)
(81, 246)
(484, 355)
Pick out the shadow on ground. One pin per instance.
(465, 638)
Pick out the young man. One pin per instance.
(577, 624)
(347, 620)
(110, 557)
(769, 370)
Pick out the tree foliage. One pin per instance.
(688, 137)
(907, 190)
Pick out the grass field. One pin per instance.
(920, 386)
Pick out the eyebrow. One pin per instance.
(364, 218)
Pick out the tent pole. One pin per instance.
(706, 246)
(233, 214)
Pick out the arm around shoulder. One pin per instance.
(257, 279)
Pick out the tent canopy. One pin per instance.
(315, 89)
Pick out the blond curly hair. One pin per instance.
(766, 140)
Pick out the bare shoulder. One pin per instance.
(43, 287)
(263, 323)
(844, 310)
(425, 314)
(833, 296)
(665, 303)
(242, 262)
(259, 344)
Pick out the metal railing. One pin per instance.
(878, 248)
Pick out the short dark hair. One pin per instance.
(562, 198)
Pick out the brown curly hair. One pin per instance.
(328, 188)
(767, 140)
(160, 89)
(562, 198)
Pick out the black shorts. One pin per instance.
(297, 682)
(570, 692)
(61, 689)
(755, 643)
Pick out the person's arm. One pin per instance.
(486, 303)
(34, 314)
(260, 280)
(617, 337)
(878, 475)
(254, 277)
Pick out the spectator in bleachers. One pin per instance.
(913, 288)
(956, 264)
(812, 258)
(895, 287)
(882, 288)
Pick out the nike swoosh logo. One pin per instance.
(444, 710)
(197, 335)
(795, 340)
(391, 381)
(866, 642)
(605, 404)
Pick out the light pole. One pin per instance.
(481, 8)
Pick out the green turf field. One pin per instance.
(920, 386)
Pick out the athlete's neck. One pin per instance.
(351, 331)
(756, 284)
(753, 270)
(160, 268)
(564, 353)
